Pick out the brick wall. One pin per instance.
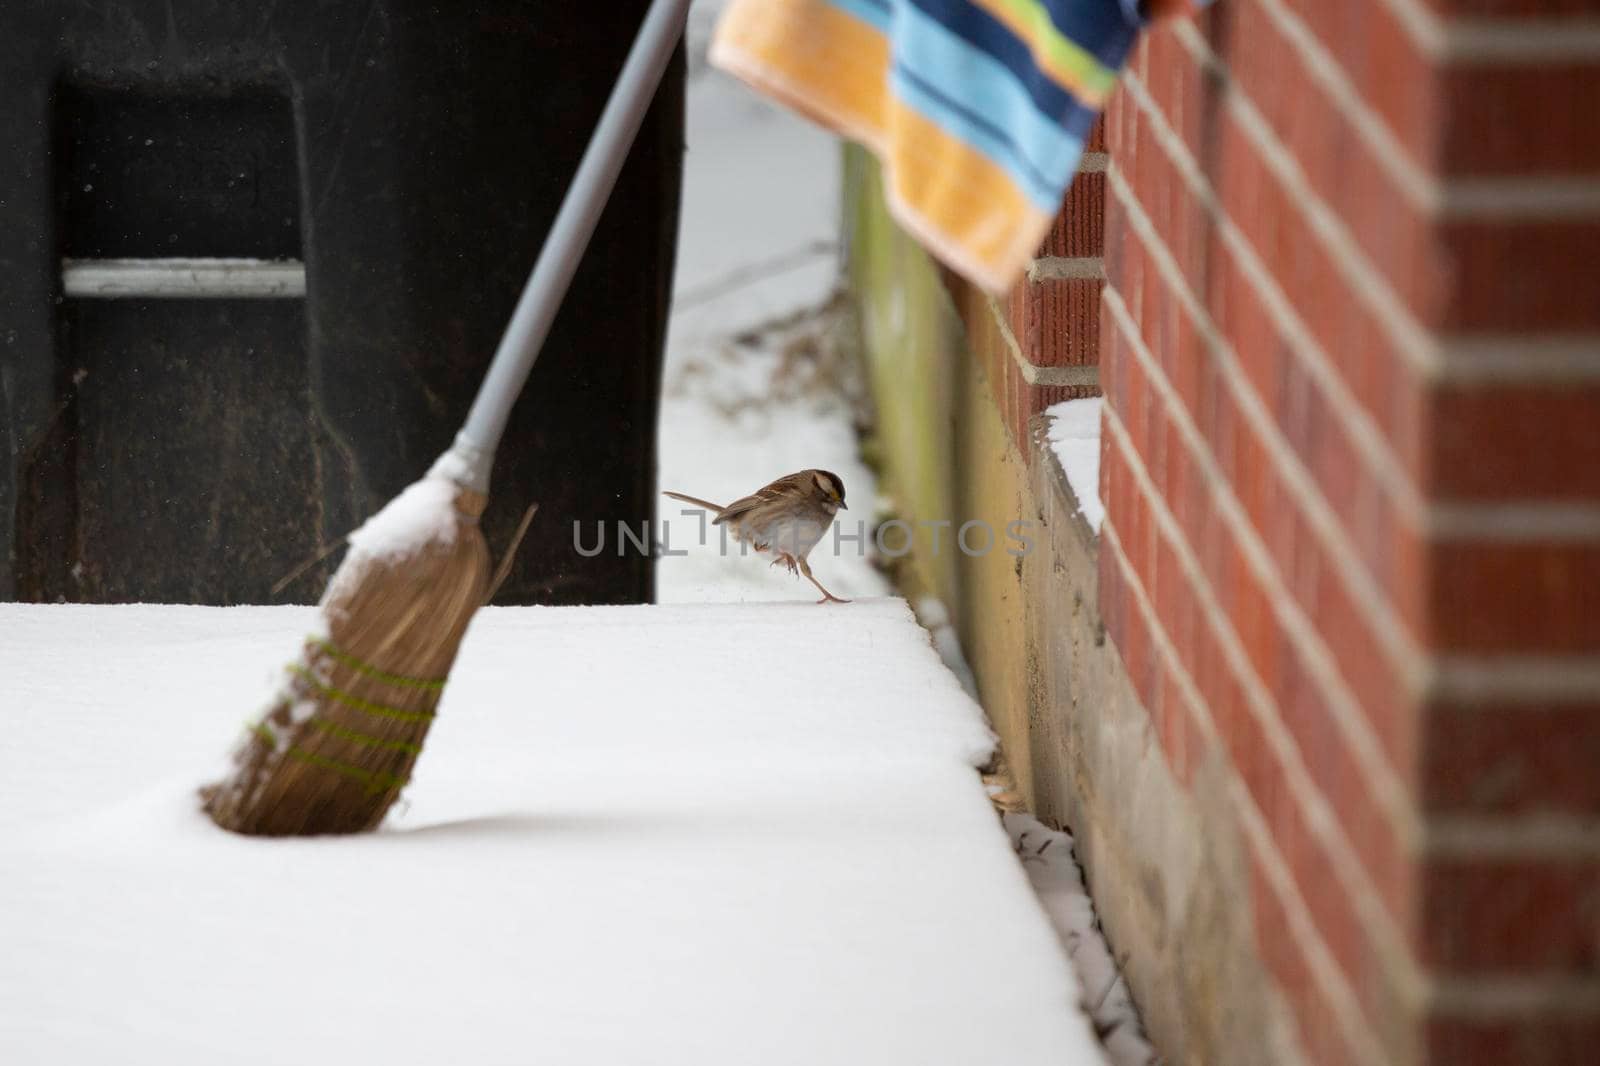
(1040, 343)
(1349, 339)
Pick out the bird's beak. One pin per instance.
(842, 506)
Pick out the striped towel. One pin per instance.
(978, 109)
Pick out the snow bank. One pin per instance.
(669, 835)
(1075, 438)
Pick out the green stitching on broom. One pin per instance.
(356, 702)
(376, 781)
(398, 680)
(362, 738)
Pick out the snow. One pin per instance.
(464, 463)
(695, 834)
(935, 618)
(424, 513)
(681, 834)
(1053, 869)
(760, 197)
(1075, 438)
(751, 394)
(753, 388)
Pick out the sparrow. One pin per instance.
(785, 518)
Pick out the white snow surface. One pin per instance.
(759, 230)
(1047, 855)
(1075, 438)
(709, 834)
(746, 401)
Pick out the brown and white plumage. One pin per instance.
(785, 518)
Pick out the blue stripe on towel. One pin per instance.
(986, 33)
(1100, 27)
(980, 134)
(993, 112)
(1096, 26)
(875, 13)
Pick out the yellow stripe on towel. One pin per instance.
(958, 202)
(1068, 63)
(835, 68)
(814, 57)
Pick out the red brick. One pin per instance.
(1392, 550)
(1040, 397)
(1079, 227)
(1188, 94)
(1135, 652)
(1514, 597)
(1454, 440)
(1520, 119)
(1351, 337)
(1057, 322)
(1340, 167)
(1360, 350)
(1264, 776)
(1518, 277)
(1300, 698)
(1111, 589)
(1489, 916)
(1452, 276)
(1553, 9)
(1512, 759)
(1177, 215)
(1380, 59)
(1530, 1040)
(1181, 736)
(1319, 1027)
(1527, 442)
(1474, 595)
(1113, 356)
(1468, 118)
(1116, 268)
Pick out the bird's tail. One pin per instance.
(697, 501)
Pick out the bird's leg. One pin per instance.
(827, 597)
(787, 560)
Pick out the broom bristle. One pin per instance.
(336, 747)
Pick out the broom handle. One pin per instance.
(472, 455)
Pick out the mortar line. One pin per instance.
(1543, 836)
(1067, 376)
(1523, 197)
(1488, 41)
(1511, 997)
(1318, 811)
(1333, 983)
(1346, 710)
(1394, 635)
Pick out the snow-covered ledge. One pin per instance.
(627, 841)
(1073, 430)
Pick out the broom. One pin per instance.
(337, 744)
